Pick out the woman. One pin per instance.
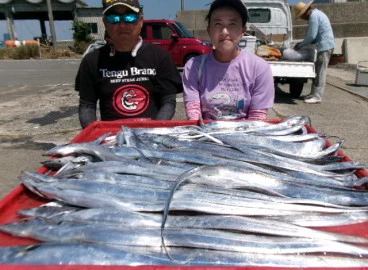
(227, 83)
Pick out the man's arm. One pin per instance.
(85, 85)
(311, 33)
(167, 105)
(86, 112)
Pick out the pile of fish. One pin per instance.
(225, 193)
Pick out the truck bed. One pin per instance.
(291, 69)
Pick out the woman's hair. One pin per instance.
(237, 5)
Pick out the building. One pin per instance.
(42, 10)
(92, 16)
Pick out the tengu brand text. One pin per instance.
(133, 71)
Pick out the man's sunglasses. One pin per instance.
(126, 18)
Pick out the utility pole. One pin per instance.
(10, 25)
(182, 5)
(51, 21)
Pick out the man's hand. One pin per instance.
(297, 46)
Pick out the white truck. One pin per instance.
(270, 21)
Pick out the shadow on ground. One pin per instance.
(283, 97)
(24, 142)
(53, 117)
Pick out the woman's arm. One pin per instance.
(191, 84)
(258, 114)
(193, 110)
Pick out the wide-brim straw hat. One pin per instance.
(300, 8)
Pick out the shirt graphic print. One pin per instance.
(131, 99)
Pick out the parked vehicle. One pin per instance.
(270, 22)
(174, 38)
(170, 35)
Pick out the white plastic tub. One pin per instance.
(362, 73)
(248, 43)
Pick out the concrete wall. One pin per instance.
(355, 50)
(349, 21)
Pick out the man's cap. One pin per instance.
(235, 4)
(132, 4)
(300, 8)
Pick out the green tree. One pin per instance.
(81, 36)
(82, 32)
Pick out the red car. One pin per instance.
(174, 38)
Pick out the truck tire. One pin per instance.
(296, 88)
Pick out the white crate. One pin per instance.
(248, 43)
(362, 73)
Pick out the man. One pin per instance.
(319, 33)
(129, 78)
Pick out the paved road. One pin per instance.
(37, 72)
(38, 110)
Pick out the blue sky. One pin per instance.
(153, 9)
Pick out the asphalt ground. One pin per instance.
(38, 110)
